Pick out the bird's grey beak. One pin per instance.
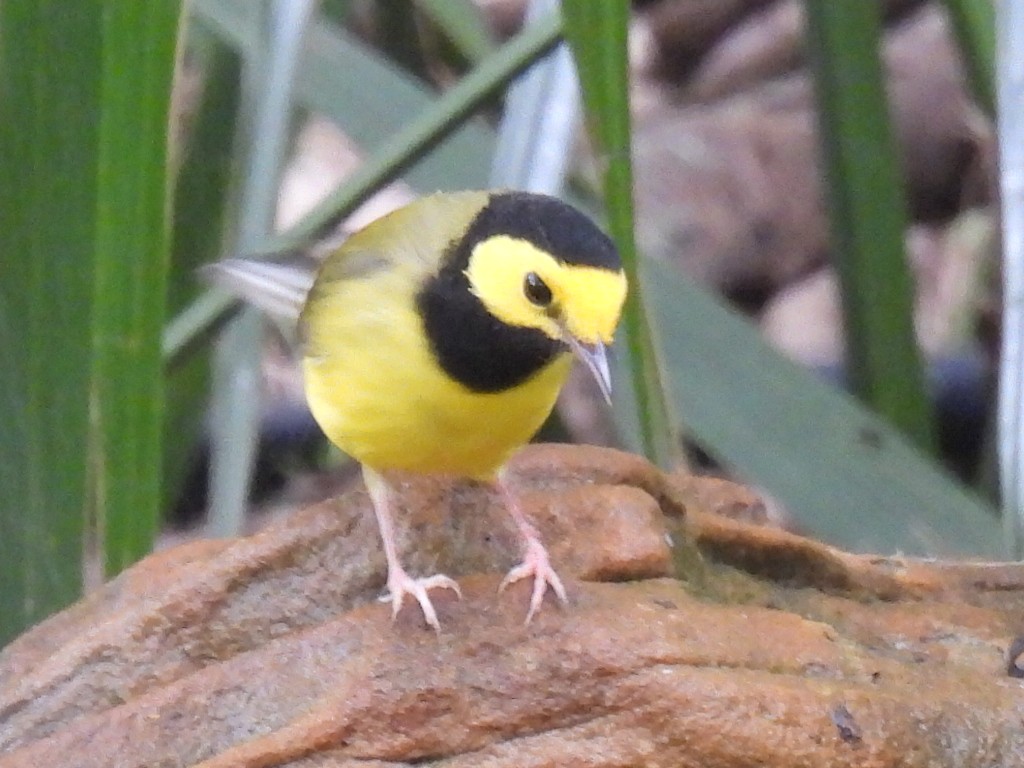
(596, 359)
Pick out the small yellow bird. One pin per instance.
(436, 339)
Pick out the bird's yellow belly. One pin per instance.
(391, 407)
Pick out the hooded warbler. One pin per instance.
(436, 339)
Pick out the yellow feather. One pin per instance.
(497, 267)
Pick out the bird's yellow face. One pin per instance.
(528, 280)
(526, 287)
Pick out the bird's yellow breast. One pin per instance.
(375, 389)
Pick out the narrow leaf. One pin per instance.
(426, 130)
(84, 93)
(867, 214)
(131, 255)
(464, 25)
(596, 31)
(844, 473)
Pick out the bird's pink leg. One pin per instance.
(536, 562)
(401, 583)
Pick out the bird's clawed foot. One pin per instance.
(401, 584)
(536, 564)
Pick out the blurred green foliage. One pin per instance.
(84, 101)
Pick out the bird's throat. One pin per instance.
(471, 345)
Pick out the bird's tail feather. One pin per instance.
(278, 287)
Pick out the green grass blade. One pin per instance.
(844, 473)
(597, 33)
(428, 129)
(131, 257)
(867, 214)
(84, 92)
(45, 342)
(195, 326)
(361, 91)
(462, 22)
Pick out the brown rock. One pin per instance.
(947, 144)
(179, 611)
(731, 191)
(684, 32)
(269, 651)
(504, 17)
(765, 44)
(950, 266)
(731, 195)
(719, 497)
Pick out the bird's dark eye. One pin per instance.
(536, 290)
